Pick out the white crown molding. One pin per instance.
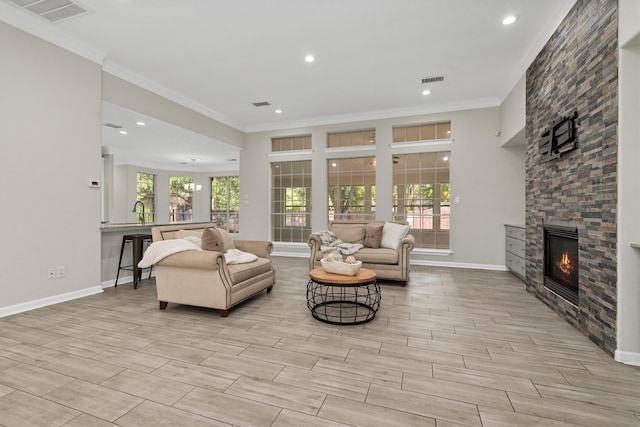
(529, 55)
(43, 29)
(40, 28)
(377, 115)
(118, 70)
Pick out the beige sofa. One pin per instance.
(388, 263)
(204, 279)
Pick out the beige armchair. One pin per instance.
(204, 279)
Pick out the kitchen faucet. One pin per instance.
(136, 205)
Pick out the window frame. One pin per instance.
(230, 217)
(146, 197)
(283, 210)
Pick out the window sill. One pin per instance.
(432, 252)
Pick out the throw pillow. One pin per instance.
(349, 233)
(212, 240)
(226, 239)
(392, 233)
(373, 235)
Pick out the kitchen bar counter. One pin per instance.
(110, 249)
(135, 227)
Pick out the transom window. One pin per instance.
(291, 201)
(352, 188)
(291, 143)
(423, 132)
(225, 202)
(421, 196)
(352, 138)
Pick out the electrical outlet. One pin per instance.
(51, 273)
(61, 271)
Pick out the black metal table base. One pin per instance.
(343, 304)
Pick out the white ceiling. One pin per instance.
(160, 145)
(220, 56)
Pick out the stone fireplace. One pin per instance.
(561, 261)
(576, 72)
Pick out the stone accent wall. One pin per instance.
(577, 70)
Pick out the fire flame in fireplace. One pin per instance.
(565, 265)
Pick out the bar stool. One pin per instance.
(137, 241)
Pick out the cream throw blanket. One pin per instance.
(331, 243)
(157, 251)
(236, 256)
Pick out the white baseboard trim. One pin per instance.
(43, 302)
(493, 267)
(289, 254)
(627, 357)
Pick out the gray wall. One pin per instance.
(50, 133)
(628, 338)
(488, 179)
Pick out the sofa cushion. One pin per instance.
(241, 272)
(373, 235)
(349, 233)
(212, 240)
(377, 256)
(392, 233)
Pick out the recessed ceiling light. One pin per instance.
(278, 111)
(124, 132)
(141, 123)
(426, 92)
(309, 58)
(508, 20)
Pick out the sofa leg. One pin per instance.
(269, 289)
(403, 283)
(223, 313)
(163, 305)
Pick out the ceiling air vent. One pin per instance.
(113, 125)
(51, 10)
(433, 79)
(261, 104)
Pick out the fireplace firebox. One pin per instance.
(561, 261)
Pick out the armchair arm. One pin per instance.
(261, 248)
(205, 260)
(406, 245)
(315, 242)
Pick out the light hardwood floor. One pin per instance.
(455, 347)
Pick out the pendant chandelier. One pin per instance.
(192, 186)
